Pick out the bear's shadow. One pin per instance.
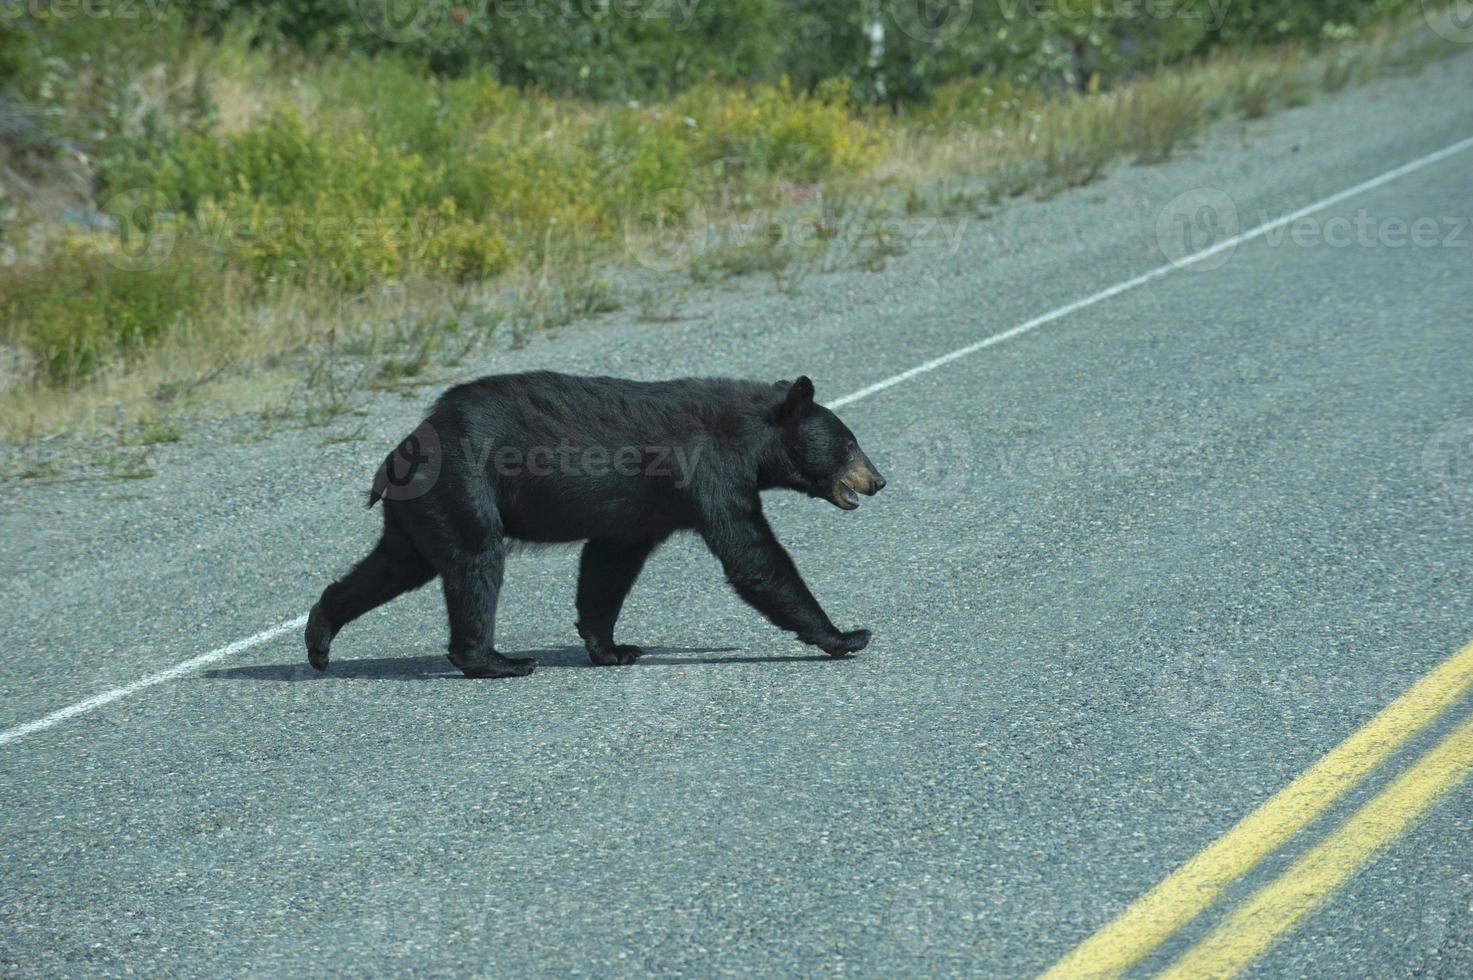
(437, 667)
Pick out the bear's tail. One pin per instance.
(380, 482)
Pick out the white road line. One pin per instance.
(267, 635)
(1156, 273)
(178, 670)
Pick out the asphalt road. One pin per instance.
(1135, 570)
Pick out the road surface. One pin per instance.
(1139, 567)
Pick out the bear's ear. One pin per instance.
(797, 401)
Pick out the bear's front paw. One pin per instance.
(843, 644)
(604, 655)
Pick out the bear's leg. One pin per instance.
(392, 568)
(472, 585)
(763, 574)
(606, 573)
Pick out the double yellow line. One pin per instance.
(1275, 908)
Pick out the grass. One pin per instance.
(1043, 145)
(283, 235)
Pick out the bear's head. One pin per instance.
(821, 456)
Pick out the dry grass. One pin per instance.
(271, 359)
(305, 351)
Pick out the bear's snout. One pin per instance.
(859, 477)
(863, 476)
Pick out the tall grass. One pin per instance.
(252, 202)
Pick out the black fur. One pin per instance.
(622, 465)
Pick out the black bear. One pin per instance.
(621, 465)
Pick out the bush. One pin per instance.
(80, 309)
(300, 147)
(773, 130)
(1267, 22)
(615, 51)
(359, 195)
(1159, 114)
(982, 101)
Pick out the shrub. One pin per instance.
(280, 161)
(979, 101)
(1159, 114)
(620, 51)
(79, 310)
(773, 130)
(353, 196)
(608, 51)
(1077, 139)
(465, 252)
(296, 148)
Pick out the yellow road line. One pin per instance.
(1310, 881)
(1181, 896)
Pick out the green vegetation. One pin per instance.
(651, 49)
(194, 203)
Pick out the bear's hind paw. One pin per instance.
(319, 638)
(495, 666)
